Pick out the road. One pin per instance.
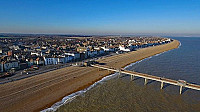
(43, 69)
(41, 91)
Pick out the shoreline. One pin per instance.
(71, 97)
(49, 95)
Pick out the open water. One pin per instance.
(123, 95)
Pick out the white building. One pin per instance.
(108, 49)
(35, 53)
(123, 48)
(50, 61)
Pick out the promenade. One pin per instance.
(150, 77)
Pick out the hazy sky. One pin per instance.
(100, 16)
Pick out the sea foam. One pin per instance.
(72, 96)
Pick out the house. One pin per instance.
(108, 49)
(39, 61)
(7, 65)
(83, 55)
(92, 53)
(61, 59)
(82, 49)
(30, 61)
(70, 58)
(124, 48)
(67, 59)
(1, 67)
(48, 60)
(76, 55)
(1, 50)
(35, 53)
(101, 52)
(23, 66)
(95, 53)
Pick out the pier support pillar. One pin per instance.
(181, 87)
(162, 84)
(132, 77)
(145, 81)
(119, 73)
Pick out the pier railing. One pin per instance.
(150, 77)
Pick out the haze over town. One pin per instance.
(101, 17)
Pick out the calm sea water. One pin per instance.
(123, 95)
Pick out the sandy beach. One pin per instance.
(39, 92)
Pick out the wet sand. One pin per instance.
(39, 92)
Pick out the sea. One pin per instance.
(113, 94)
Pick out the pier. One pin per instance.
(147, 77)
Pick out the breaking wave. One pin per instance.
(71, 97)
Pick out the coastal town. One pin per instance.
(27, 54)
(48, 83)
(99, 56)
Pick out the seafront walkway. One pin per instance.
(150, 77)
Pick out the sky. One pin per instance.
(100, 17)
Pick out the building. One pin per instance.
(125, 48)
(7, 65)
(50, 60)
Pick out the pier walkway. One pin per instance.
(150, 77)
